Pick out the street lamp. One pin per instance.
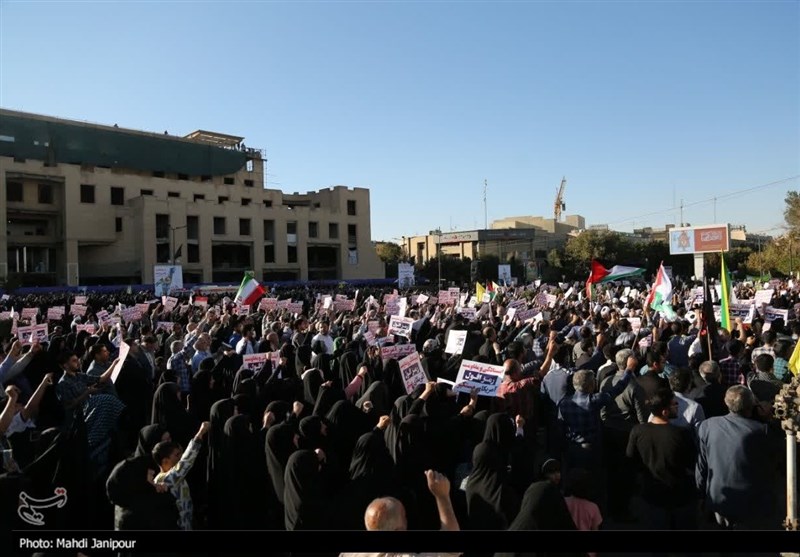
(172, 244)
(438, 233)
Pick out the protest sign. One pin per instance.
(143, 308)
(397, 352)
(124, 348)
(165, 326)
(344, 305)
(81, 300)
(268, 304)
(455, 342)
(485, 378)
(401, 326)
(370, 338)
(764, 297)
(254, 362)
(412, 372)
(29, 313)
(373, 326)
(169, 303)
(771, 314)
(201, 301)
(77, 310)
(131, 314)
(636, 324)
(55, 313)
(527, 314)
(392, 308)
(421, 299)
(468, 313)
(27, 335)
(88, 327)
(295, 307)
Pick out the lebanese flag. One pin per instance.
(249, 291)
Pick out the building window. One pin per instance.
(118, 224)
(245, 202)
(269, 241)
(199, 197)
(291, 254)
(333, 230)
(193, 253)
(248, 183)
(13, 191)
(158, 174)
(219, 225)
(46, 194)
(229, 181)
(162, 226)
(244, 227)
(146, 192)
(267, 203)
(250, 165)
(117, 195)
(313, 229)
(183, 176)
(222, 199)
(192, 228)
(87, 193)
(173, 194)
(351, 207)
(352, 237)
(162, 252)
(205, 178)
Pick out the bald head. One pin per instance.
(385, 513)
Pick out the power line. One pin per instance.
(709, 200)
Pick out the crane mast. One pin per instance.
(559, 204)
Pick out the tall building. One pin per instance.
(94, 204)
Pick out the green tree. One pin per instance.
(791, 213)
(389, 252)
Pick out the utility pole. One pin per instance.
(681, 212)
(485, 209)
(715, 209)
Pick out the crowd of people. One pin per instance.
(607, 412)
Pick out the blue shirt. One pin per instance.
(580, 413)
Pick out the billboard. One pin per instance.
(167, 278)
(699, 239)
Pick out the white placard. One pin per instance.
(412, 372)
(455, 342)
(401, 326)
(397, 352)
(485, 378)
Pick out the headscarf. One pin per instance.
(491, 503)
(279, 447)
(168, 412)
(149, 437)
(304, 498)
(245, 476)
(543, 508)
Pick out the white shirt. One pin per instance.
(244, 347)
(18, 424)
(327, 339)
(690, 413)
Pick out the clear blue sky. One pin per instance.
(636, 103)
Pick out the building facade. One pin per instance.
(90, 204)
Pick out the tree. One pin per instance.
(791, 213)
(389, 252)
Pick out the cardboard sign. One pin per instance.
(412, 372)
(81, 300)
(268, 304)
(392, 308)
(55, 313)
(397, 352)
(764, 297)
(29, 313)
(771, 314)
(370, 338)
(77, 310)
(5, 315)
(390, 297)
(88, 327)
(131, 314)
(169, 303)
(344, 305)
(123, 353)
(103, 317)
(527, 315)
(373, 326)
(401, 326)
(295, 307)
(27, 335)
(283, 304)
(485, 378)
(455, 342)
(254, 362)
(468, 313)
(445, 299)
(167, 326)
(421, 299)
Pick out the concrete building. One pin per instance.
(94, 204)
(555, 229)
(474, 244)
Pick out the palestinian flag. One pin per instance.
(725, 295)
(660, 298)
(249, 291)
(617, 272)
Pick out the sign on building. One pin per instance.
(699, 239)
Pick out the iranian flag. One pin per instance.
(249, 291)
(661, 294)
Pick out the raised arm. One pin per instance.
(31, 409)
(439, 486)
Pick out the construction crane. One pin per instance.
(559, 204)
